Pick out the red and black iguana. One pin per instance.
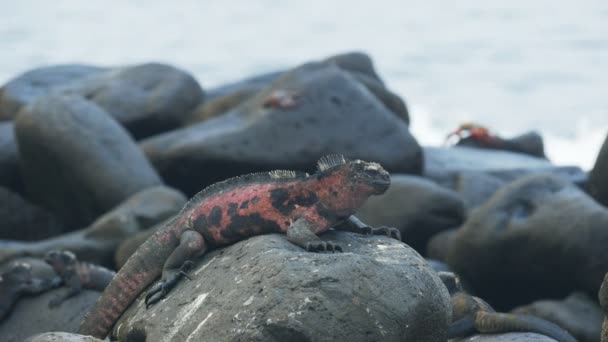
(297, 204)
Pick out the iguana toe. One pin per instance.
(388, 231)
(323, 246)
(155, 294)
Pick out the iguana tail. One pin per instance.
(142, 268)
(493, 322)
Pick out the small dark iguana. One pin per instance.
(472, 315)
(76, 275)
(297, 204)
(19, 280)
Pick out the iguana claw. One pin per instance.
(323, 246)
(388, 231)
(162, 288)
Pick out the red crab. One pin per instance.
(281, 99)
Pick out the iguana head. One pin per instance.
(346, 184)
(60, 260)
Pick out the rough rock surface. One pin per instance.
(510, 337)
(10, 176)
(21, 220)
(578, 313)
(31, 315)
(78, 161)
(333, 113)
(537, 230)
(30, 85)
(416, 206)
(61, 337)
(267, 289)
(98, 242)
(598, 179)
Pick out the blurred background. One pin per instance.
(512, 66)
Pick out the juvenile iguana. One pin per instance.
(472, 315)
(19, 280)
(76, 275)
(297, 204)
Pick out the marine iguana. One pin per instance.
(76, 275)
(19, 280)
(472, 315)
(297, 204)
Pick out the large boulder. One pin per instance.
(77, 160)
(147, 98)
(267, 289)
(439, 160)
(539, 230)
(21, 220)
(598, 178)
(332, 113)
(98, 242)
(578, 313)
(10, 176)
(418, 207)
(27, 87)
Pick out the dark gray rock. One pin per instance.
(440, 160)
(510, 337)
(219, 105)
(78, 161)
(476, 187)
(266, 289)
(30, 85)
(537, 230)
(438, 246)
(31, 315)
(530, 143)
(21, 220)
(598, 178)
(355, 62)
(251, 84)
(61, 337)
(358, 64)
(416, 206)
(333, 114)
(146, 99)
(578, 313)
(10, 176)
(98, 242)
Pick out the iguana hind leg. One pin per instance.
(355, 225)
(191, 245)
(494, 322)
(301, 233)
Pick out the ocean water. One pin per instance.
(510, 65)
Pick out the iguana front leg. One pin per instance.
(191, 245)
(300, 233)
(353, 224)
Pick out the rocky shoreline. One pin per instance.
(94, 160)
